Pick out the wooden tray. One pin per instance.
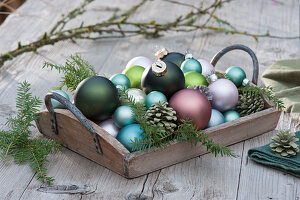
(91, 141)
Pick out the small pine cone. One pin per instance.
(249, 103)
(203, 89)
(284, 144)
(163, 115)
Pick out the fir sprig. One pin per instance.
(156, 137)
(75, 70)
(17, 142)
(263, 91)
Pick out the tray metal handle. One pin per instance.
(221, 53)
(85, 122)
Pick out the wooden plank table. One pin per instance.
(204, 177)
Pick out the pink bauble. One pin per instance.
(224, 94)
(191, 104)
(207, 68)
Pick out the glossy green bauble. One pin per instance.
(57, 104)
(175, 58)
(191, 64)
(231, 115)
(134, 73)
(123, 116)
(236, 75)
(120, 81)
(137, 95)
(128, 134)
(168, 83)
(96, 97)
(194, 78)
(154, 97)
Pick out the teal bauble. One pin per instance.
(57, 104)
(216, 118)
(123, 116)
(231, 115)
(137, 95)
(191, 64)
(96, 97)
(154, 97)
(120, 81)
(128, 134)
(236, 75)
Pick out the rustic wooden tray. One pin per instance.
(91, 141)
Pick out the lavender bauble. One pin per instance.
(224, 93)
(207, 68)
(191, 104)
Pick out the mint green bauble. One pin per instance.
(236, 75)
(57, 104)
(134, 73)
(191, 64)
(154, 97)
(123, 116)
(194, 78)
(231, 115)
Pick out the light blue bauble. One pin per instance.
(128, 134)
(154, 97)
(231, 115)
(56, 103)
(216, 118)
(123, 116)
(191, 64)
(121, 81)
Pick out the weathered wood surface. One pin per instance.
(201, 178)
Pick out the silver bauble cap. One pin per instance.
(159, 68)
(161, 53)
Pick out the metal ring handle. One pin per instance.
(85, 122)
(221, 53)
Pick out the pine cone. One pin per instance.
(249, 103)
(203, 89)
(163, 115)
(284, 144)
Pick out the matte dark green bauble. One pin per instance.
(175, 58)
(96, 97)
(168, 82)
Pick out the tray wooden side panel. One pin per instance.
(77, 138)
(140, 163)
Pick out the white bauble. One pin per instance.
(141, 61)
(207, 68)
(110, 127)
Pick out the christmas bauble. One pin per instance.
(134, 73)
(138, 95)
(236, 75)
(110, 127)
(191, 64)
(224, 93)
(128, 133)
(194, 78)
(173, 57)
(191, 104)
(154, 97)
(216, 118)
(164, 77)
(231, 115)
(140, 61)
(207, 68)
(120, 81)
(57, 104)
(123, 116)
(96, 97)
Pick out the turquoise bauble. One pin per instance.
(128, 134)
(236, 75)
(154, 97)
(123, 116)
(191, 64)
(137, 95)
(55, 103)
(120, 81)
(216, 118)
(231, 115)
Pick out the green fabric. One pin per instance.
(264, 155)
(284, 77)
